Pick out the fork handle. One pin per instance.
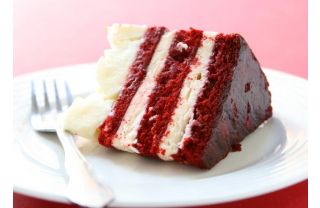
(82, 188)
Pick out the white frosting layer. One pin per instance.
(127, 132)
(122, 35)
(192, 86)
(85, 115)
(112, 68)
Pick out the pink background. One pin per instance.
(49, 33)
(52, 33)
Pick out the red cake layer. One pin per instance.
(164, 98)
(232, 104)
(137, 73)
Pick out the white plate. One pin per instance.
(273, 157)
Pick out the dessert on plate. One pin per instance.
(185, 95)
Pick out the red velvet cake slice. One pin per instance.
(185, 95)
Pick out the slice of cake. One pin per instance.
(184, 95)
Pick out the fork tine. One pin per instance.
(57, 97)
(68, 93)
(34, 104)
(45, 94)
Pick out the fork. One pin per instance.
(82, 187)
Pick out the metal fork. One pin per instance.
(82, 187)
(45, 119)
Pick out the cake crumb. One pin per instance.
(182, 46)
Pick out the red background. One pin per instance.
(49, 33)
